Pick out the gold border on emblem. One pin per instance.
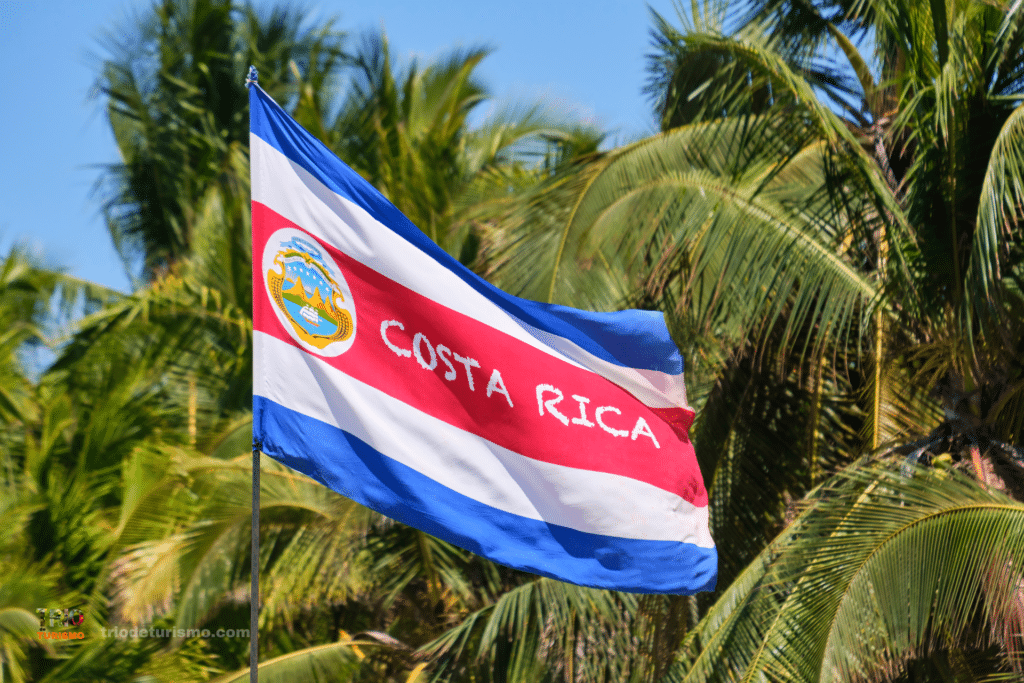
(275, 282)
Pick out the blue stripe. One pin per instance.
(351, 467)
(634, 339)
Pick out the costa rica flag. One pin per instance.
(545, 438)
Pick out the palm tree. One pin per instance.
(56, 483)
(175, 95)
(886, 575)
(834, 238)
(907, 186)
(408, 131)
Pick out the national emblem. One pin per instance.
(310, 296)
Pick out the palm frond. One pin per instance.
(196, 559)
(332, 663)
(706, 195)
(544, 630)
(879, 571)
(761, 447)
(999, 213)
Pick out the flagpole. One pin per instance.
(254, 589)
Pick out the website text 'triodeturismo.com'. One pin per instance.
(125, 633)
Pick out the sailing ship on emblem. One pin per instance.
(302, 287)
(311, 316)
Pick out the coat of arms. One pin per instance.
(309, 293)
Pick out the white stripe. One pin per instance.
(653, 388)
(592, 502)
(290, 190)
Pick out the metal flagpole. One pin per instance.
(254, 588)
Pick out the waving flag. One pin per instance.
(542, 437)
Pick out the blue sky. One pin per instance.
(584, 57)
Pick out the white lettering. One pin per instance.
(582, 419)
(550, 403)
(611, 430)
(642, 428)
(402, 353)
(427, 355)
(442, 350)
(469, 363)
(497, 386)
(419, 356)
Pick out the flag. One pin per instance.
(545, 438)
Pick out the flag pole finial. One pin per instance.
(253, 77)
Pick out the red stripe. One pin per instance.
(521, 428)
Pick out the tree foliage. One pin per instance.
(828, 217)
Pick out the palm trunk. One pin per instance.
(812, 426)
(193, 406)
(876, 402)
